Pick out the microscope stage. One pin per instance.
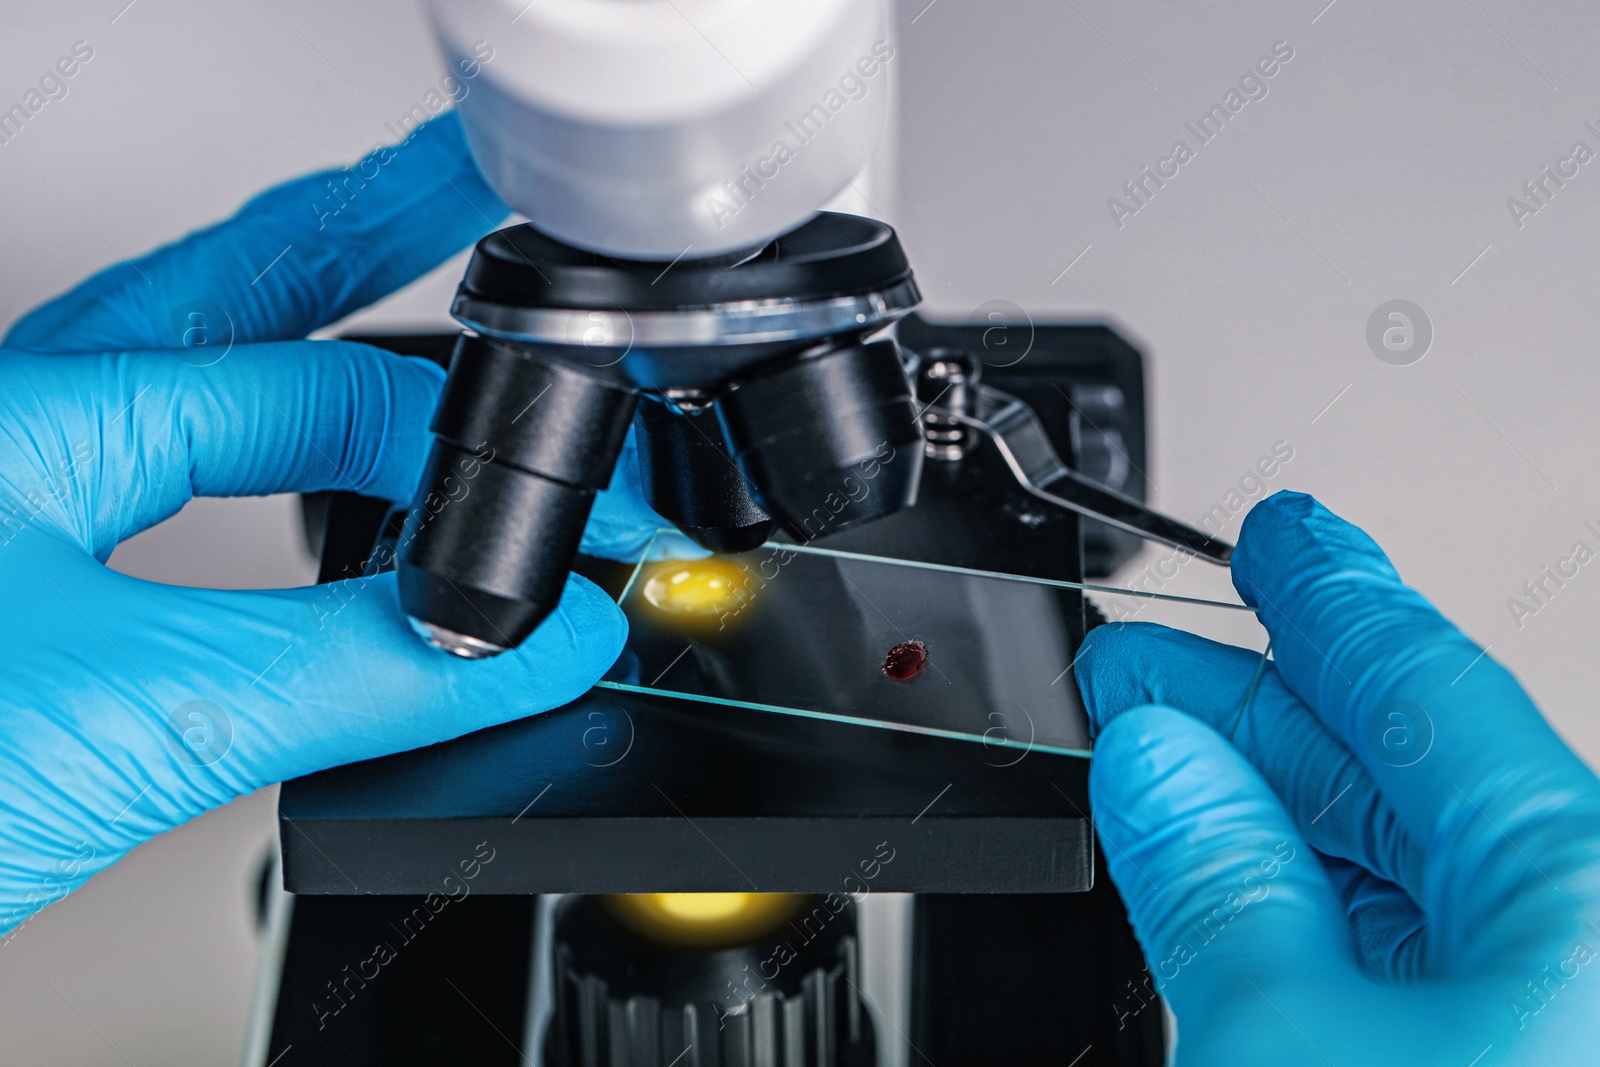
(634, 792)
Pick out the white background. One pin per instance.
(1378, 167)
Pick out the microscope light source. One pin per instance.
(704, 920)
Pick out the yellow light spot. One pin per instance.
(702, 907)
(697, 589)
(703, 920)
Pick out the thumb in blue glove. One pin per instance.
(1389, 858)
(127, 707)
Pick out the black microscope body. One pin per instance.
(762, 389)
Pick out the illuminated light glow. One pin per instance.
(702, 588)
(704, 920)
(702, 907)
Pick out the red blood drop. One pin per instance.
(906, 660)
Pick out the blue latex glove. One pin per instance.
(127, 707)
(1394, 861)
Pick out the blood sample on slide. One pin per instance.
(906, 660)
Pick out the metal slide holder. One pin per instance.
(949, 384)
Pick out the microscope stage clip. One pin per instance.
(1025, 446)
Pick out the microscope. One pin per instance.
(751, 845)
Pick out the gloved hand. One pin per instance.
(127, 707)
(1388, 858)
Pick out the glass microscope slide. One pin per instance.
(921, 648)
